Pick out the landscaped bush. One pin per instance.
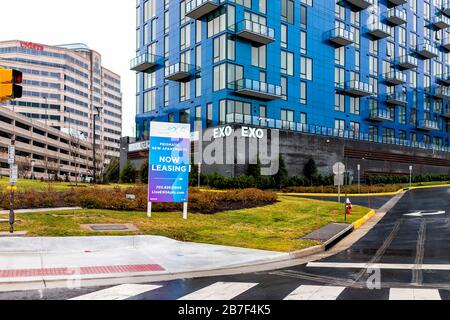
(350, 189)
(206, 202)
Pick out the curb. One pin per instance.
(357, 224)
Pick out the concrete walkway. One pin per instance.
(41, 210)
(81, 258)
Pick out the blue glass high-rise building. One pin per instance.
(376, 70)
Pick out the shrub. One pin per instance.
(310, 169)
(143, 172)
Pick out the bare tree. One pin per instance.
(75, 149)
(51, 167)
(24, 166)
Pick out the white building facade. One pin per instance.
(65, 87)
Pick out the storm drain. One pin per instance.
(110, 227)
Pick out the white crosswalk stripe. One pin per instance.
(220, 291)
(121, 292)
(414, 294)
(305, 292)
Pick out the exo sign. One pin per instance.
(246, 132)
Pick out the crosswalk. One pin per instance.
(232, 290)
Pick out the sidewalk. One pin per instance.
(82, 258)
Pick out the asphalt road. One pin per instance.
(372, 202)
(402, 257)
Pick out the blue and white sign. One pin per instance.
(170, 147)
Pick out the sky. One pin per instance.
(106, 26)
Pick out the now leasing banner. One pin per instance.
(170, 146)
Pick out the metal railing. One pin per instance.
(179, 67)
(396, 13)
(356, 85)
(397, 96)
(342, 33)
(143, 59)
(427, 47)
(238, 118)
(379, 26)
(429, 124)
(254, 27)
(254, 85)
(381, 114)
(194, 4)
(395, 75)
(407, 59)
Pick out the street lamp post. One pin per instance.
(93, 146)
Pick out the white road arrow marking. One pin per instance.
(422, 213)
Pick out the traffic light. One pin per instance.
(9, 84)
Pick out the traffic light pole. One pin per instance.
(11, 194)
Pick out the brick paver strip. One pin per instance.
(81, 271)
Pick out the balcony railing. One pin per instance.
(443, 79)
(380, 115)
(428, 125)
(256, 89)
(398, 98)
(361, 4)
(427, 51)
(395, 77)
(398, 2)
(255, 32)
(238, 118)
(396, 16)
(446, 7)
(442, 92)
(357, 88)
(408, 62)
(441, 22)
(446, 113)
(379, 30)
(179, 71)
(341, 37)
(196, 9)
(446, 43)
(144, 62)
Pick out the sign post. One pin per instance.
(339, 170)
(13, 174)
(359, 178)
(410, 176)
(170, 146)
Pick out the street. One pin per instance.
(405, 256)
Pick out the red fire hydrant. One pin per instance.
(348, 207)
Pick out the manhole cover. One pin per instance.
(109, 228)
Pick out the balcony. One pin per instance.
(357, 88)
(441, 22)
(380, 115)
(379, 30)
(446, 113)
(197, 9)
(446, 7)
(396, 16)
(397, 99)
(144, 62)
(428, 125)
(341, 37)
(407, 62)
(255, 32)
(361, 4)
(256, 89)
(179, 72)
(398, 2)
(394, 78)
(443, 79)
(427, 51)
(446, 44)
(442, 92)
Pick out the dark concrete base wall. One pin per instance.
(374, 158)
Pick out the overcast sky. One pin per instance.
(107, 26)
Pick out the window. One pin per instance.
(259, 56)
(149, 101)
(303, 17)
(217, 22)
(166, 95)
(303, 42)
(226, 73)
(303, 92)
(185, 37)
(306, 68)
(287, 119)
(287, 63)
(185, 116)
(209, 115)
(339, 102)
(284, 92)
(262, 6)
(287, 11)
(284, 36)
(354, 105)
(171, 117)
(185, 92)
(224, 48)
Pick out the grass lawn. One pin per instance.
(24, 184)
(276, 227)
